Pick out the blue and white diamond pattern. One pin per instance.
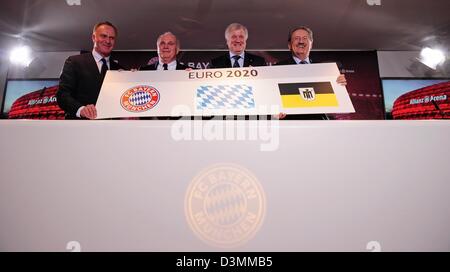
(139, 98)
(225, 97)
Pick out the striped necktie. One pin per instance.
(236, 62)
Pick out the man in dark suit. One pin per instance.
(236, 36)
(168, 47)
(300, 41)
(82, 75)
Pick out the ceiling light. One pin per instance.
(73, 2)
(431, 57)
(373, 2)
(21, 56)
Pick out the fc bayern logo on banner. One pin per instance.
(140, 98)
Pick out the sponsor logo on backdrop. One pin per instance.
(225, 205)
(44, 100)
(428, 99)
(140, 98)
(239, 96)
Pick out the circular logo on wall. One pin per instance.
(140, 98)
(225, 205)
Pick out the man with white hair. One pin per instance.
(168, 47)
(236, 36)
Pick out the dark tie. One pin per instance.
(165, 66)
(104, 68)
(236, 63)
(303, 62)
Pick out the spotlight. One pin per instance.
(431, 57)
(373, 2)
(73, 2)
(21, 56)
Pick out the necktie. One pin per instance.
(104, 68)
(165, 66)
(236, 63)
(303, 62)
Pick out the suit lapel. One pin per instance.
(247, 58)
(292, 60)
(227, 61)
(93, 65)
(113, 64)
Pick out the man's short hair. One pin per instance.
(168, 33)
(105, 23)
(233, 27)
(307, 29)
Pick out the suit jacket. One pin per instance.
(292, 61)
(225, 62)
(152, 67)
(316, 116)
(288, 61)
(80, 83)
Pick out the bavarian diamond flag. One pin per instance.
(239, 96)
(314, 94)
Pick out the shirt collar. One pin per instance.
(170, 66)
(98, 57)
(241, 55)
(297, 60)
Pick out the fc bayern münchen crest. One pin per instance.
(140, 98)
(225, 205)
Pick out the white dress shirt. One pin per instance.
(98, 60)
(297, 60)
(240, 60)
(170, 66)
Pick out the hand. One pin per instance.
(89, 112)
(281, 115)
(134, 70)
(341, 80)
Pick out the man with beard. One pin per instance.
(82, 75)
(300, 41)
(236, 36)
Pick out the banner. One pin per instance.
(360, 69)
(292, 89)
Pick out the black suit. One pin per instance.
(316, 116)
(152, 67)
(224, 61)
(80, 83)
(288, 61)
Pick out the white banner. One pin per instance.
(292, 89)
